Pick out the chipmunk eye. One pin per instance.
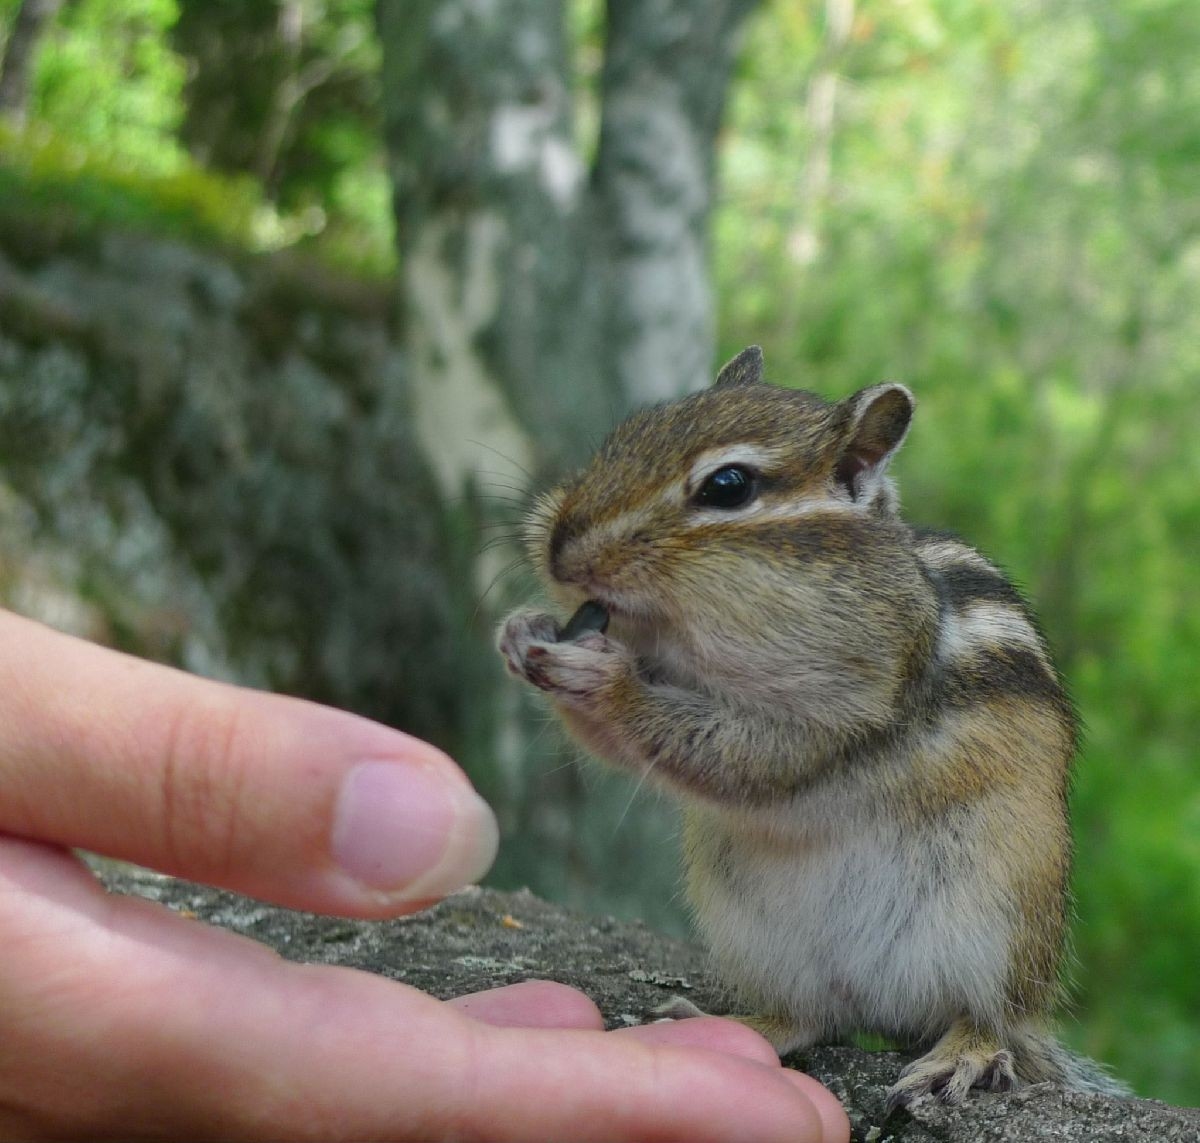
(729, 487)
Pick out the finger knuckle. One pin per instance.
(201, 783)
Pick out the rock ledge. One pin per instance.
(481, 938)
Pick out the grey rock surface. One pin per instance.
(481, 939)
(192, 452)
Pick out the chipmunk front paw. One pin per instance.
(522, 630)
(573, 670)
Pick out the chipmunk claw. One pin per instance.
(572, 670)
(677, 1008)
(949, 1078)
(521, 631)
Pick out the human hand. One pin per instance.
(124, 1020)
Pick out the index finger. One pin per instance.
(270, 796)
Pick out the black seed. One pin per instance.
(590, 616)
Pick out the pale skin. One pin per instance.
(124, 1020)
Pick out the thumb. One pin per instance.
(281, 799)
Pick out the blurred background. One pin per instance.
(300, 299)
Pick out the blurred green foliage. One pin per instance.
(108, 81)
(993, 203)
(287, 92)
(126, 96)
(46, 172)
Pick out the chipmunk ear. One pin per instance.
(745, 369)
(879, 417)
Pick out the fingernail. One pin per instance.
(408, 831)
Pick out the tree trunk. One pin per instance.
(538, 301)
(666, 70)
(32, 19)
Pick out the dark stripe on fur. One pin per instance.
(1002, 672)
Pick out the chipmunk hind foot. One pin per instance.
(970, 1057)
(965, 1057)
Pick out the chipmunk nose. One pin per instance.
(563, 532)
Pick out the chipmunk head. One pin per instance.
(730, 513)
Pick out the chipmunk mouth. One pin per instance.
(623, 610)
(630, 615)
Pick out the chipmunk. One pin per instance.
(861, 718)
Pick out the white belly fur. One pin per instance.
(849, 923)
